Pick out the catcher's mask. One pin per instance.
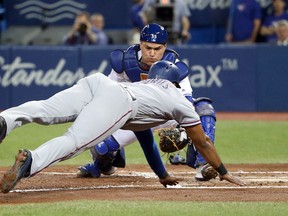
(165, 70)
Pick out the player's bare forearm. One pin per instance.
(204, 145)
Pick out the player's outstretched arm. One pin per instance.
(228, 177)
(153, 157)
(204, 145)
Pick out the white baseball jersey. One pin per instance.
(126, 137)
(99, 107)
(159, 101)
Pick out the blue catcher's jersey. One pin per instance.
(128, 61)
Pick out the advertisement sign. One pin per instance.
(236, 78)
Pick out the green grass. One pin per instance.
(236, 141)
(155, 208)
(252, 142)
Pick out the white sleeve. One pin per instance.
(186, 87)
(119, 77)
(184, 113)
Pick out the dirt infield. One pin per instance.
(137, 182)
(264, 182)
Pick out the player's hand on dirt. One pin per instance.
(228, 177)
(169, 180)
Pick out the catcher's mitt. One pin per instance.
(172, 139)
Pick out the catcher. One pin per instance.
(132, 65)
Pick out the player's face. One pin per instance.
(151, 52)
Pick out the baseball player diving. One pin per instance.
(135, 106)
(132, 65)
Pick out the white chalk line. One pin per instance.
(179, 186)
(151, 175)
(146, 186)
(128, 173)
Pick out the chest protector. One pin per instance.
(128, 61)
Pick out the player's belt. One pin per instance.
(129, 92)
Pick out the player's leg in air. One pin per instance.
(194, 159)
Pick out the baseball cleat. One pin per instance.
(3, 129)
(19, 170)
(88, 171)
(109, 170)
(177, 159)
(205, 173)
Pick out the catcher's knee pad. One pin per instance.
(204, 108)
(108, 153)
(108, 145)
(115, 158)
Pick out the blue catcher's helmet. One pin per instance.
(154, 33)
(164, 70)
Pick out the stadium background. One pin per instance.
(34, 65)
(244, 78)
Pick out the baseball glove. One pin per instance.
(172, 139)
